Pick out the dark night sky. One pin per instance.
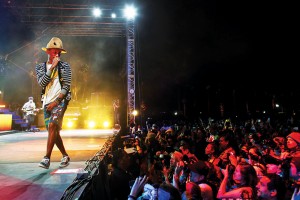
(225, 46)
(193, 50)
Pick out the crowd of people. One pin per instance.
(255, 159)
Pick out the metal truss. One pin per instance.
(99, 156)
(131, 70)
(68, 17)
(3, 66)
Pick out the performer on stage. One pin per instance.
(116, 107)
(55, 78)
(29, 110)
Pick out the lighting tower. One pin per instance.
(130, 14)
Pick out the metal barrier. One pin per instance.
(95, 172)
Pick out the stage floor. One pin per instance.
(20, 153)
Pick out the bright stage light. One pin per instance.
(113, 15)
(97, 12)
(91, 124)
(135, 113)
(70, 124)
(130, 12)
(105, 124)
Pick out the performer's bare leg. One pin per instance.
(60, 145)
(51, 139)
(54, 138)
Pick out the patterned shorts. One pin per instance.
(56, 115)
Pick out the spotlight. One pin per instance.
(113, 15)
(70, 124)
(91, 124)
(105, 124)
(130, 12)
(135, 113)
(97, 12)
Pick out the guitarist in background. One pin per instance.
(29, 110)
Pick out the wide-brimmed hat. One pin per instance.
(55, 43)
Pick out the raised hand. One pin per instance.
(138, 185)
(296, 194)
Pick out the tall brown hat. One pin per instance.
(55, 43)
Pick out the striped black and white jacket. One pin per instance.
(64, 74)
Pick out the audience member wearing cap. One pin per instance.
(296, 137)
(198, 175)
(293, 144)
(245, 179)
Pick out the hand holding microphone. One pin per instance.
(55, 61)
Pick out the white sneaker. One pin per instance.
(45, 163)
(64, 162)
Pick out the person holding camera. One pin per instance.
(211, 151)
(197, 173)
(228, 153)
(185, 149)
(245, 180)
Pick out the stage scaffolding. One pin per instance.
(74, 18)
